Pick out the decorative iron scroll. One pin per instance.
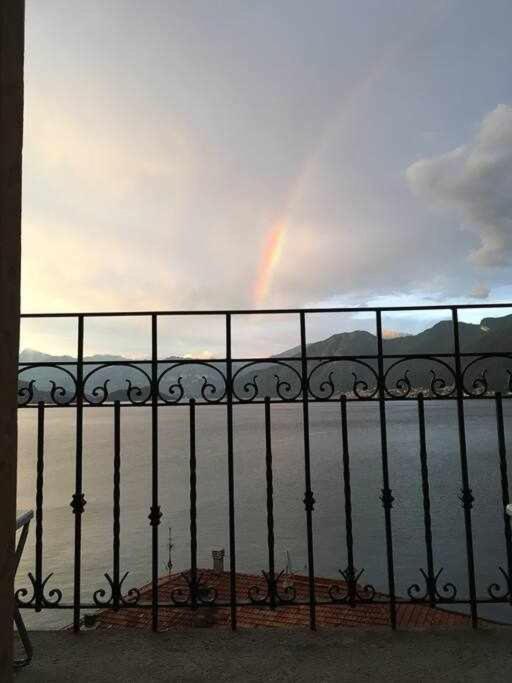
(496, 592)
(62, 392)
(52, 599)
(479, 382)
(278, 378)
(447, 592)
(196, 591)
(271, 381)
(134, 392)
(351, 592)
(438, 381)
(333, 386)
(116, 596)
(172, 389)
(272, 593)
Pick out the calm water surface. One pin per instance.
(329, 522)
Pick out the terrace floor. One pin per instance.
(202, 654)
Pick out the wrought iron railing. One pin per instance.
(449, 375)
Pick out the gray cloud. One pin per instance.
(476, 180)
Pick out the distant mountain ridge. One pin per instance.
(492, 335)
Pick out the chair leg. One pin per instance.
(24, 639)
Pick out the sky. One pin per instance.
(283, 153)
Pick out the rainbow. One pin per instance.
(272, 252)
(345, 112)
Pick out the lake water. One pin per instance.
(327, 484)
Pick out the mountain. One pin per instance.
(277, 376)
(492, 335)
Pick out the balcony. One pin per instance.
(358, 480)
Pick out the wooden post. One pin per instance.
(12, 30)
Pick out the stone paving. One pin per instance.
(202, 654)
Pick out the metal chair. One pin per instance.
(23, 523)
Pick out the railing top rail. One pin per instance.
(268, 311)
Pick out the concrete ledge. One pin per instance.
(454, 654)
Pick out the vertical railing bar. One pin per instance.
(426, 502)
(78, 501)
(387, 497)
(39, 505)
(309, 500)
(270, 505)
(117, 502)
(505, 496)
(155, 514)
(467, 495)
(193, 506)
(231, 473)
(351, 573)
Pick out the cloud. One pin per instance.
(480, 291)
(156, 187)
(476, 180)
(202, 355)
(392, 334)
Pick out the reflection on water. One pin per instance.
(329, 522)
